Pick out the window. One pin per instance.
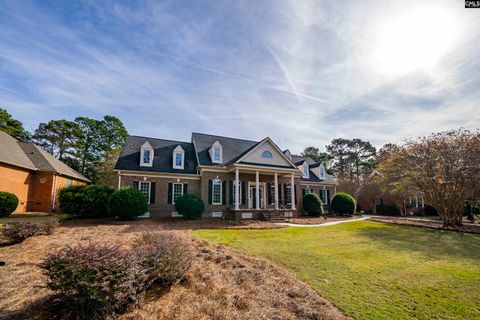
(217, 191)
(272, 193)
(146, 156)
(288, 194)
(177, 191)
(322, 172)
(239, 193)
(323, 196)
(144, 188)
(178, 158)
(267, 154)
(306, 170)
(216, 154)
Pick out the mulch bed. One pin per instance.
(467, 227)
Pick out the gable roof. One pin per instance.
(244, 157)
(129, 158)
(232, 148)
(44, 161)
(29, 156)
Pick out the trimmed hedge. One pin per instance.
(387, 209)
(127, 203)
(312, 205)
(343, 203)
(8, 203)
(189, 206)
(87, 201)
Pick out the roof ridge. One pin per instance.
(214, 135)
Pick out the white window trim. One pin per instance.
(216, 144)
(307, 169)
(218, 182)
(289, 199)
(173, 190)
(320, 170)
(323, 192)
(149, 189)
(178, 150)
(142, 151)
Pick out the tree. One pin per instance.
(444, 166)
(339, 150)
(12, 127)
(56, 137)
(362, 155)
(316, 155)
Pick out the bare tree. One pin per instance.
(444, 166)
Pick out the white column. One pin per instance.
(237, 189)
(119, 180)
(257, 190)
(292, 190)
(276, 191)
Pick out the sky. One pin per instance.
(300, 72)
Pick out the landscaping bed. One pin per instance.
(221, 284)
(428, 223)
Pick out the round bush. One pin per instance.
(312, 205)
(189, 206)
(8, 203)
(343, 203)
(70, 199)
(127, 203)
(94, 201)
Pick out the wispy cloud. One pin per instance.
(297, 71)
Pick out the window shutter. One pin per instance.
(230, 195)
(304, 191)
(170, 192)
(135, 184)
(152, 192)
(244, 192)
(224, 192)
(185, 188)
(269, 193)
(328, 196)
(209, 191)
(295, 190)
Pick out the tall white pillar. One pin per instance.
(276, 191)
(292, 190)
(119, 180)
(237, 189)
(257, 190)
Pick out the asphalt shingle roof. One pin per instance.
(11, 152)
(162, 161)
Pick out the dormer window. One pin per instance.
(306, 170)
(146, 155)
(267, 154)
(178, 158)
(322, 172)
(216, 153)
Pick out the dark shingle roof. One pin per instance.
(313, 178)
(298, 160)
(232, 148)
(162, 161)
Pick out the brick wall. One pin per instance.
(41, 196)
(316, 190)
(16, 181)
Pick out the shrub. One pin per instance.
(165, 256)
(48, 227)
(17, 231)
(8, 203)
(127, 203)
(95, 279)
(312, 205)
(94, 201)
(343, 203)
(189, 206)
(70, 199)
(387, 209)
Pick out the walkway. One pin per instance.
(326, 224)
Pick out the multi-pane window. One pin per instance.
(267, 154)
(146, 156)
(288, 194)
(178, 159)
(239, 193)
(323, 195)
(177, 191)
(305, 171)
(144, 188)
(272, 193)
(217, 192)
(216, 153)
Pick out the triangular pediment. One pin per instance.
(266, 153)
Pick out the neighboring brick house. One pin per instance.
(236, 178)
(33, 175)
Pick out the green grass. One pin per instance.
(373, 270)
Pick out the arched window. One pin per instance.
(267, 154)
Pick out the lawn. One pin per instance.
(372, 270)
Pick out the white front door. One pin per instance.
(252, 195)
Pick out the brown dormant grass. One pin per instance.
(221, 283)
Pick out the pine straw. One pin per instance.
(221, 284)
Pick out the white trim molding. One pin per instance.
(146, 153)
(216, 150)
(178, 151)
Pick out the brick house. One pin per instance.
(33, 175)
(236, 178)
